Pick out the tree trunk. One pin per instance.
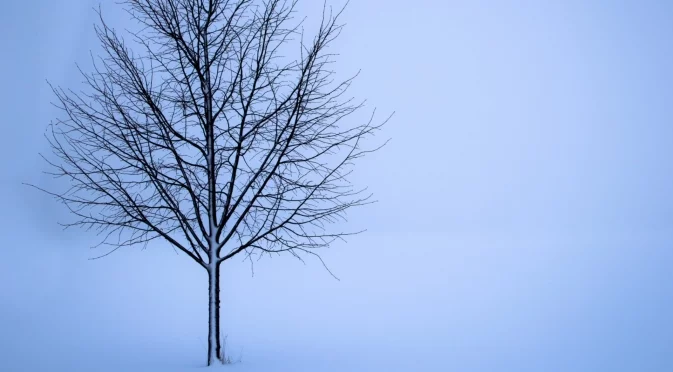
(214, 347)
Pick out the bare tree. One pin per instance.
(211, 137)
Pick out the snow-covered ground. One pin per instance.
(468, 305)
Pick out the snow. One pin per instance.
(147, 311)
(478, 310)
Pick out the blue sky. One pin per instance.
(524, 223)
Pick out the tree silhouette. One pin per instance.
(211, 136)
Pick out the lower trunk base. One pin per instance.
(215, 355)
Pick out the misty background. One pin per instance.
(524, 222)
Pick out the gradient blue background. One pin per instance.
(525, 220)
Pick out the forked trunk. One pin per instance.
(214, 347)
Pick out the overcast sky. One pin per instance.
(524, 222)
